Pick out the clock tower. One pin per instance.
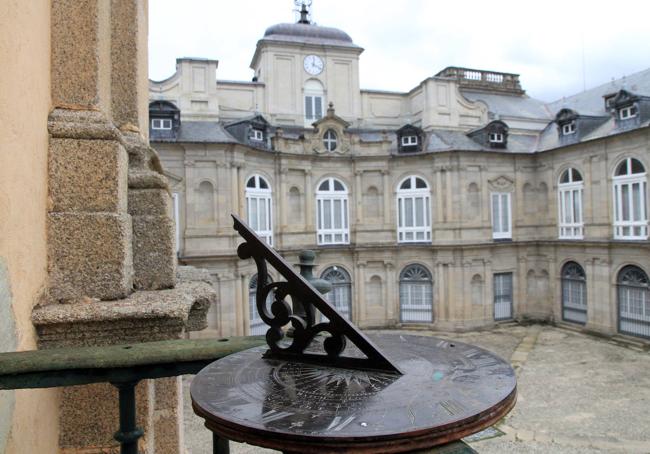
(303, 67)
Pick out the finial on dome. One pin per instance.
(304, 11)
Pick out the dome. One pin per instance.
(308, 33)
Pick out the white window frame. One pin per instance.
(257, 134)
(330, 143)
(569, 128)
(570, 208)
(409, 141)
(260, 200)
(336, 202)
(314, 93)
(501, 229)
(628, 112)
(414, 197)
(626, 229)
(496, 137)
(161, 123)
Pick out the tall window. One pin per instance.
(341, 295)
(416, 295)
(259, 207)
(574, 293)
(503, 296)
(630, 205)
(570, 204)
(413, 208)
(501, 215)
(256, 324)
(314, 101)
(332, 212)
(634, 302)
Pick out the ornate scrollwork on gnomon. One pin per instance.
(339, 329)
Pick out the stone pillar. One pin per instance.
(149, 198)
(234, 194)
(309, 202)
(108, 224)
(241, 187)
(388, 199)
(358, 197)
(389, 295)
(283, 206)
(87, 216)
(360, 279)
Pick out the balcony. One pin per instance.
(478, 79)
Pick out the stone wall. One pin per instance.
(86, 243)
(24, 106)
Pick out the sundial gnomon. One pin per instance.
(386, 393)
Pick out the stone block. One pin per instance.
(89, 255)
(149, 202)
(89, 417)
(168, 416)
(87, 176)
(81, 65)
(154, 252)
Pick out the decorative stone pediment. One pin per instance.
(624, 98)
(330, 135)
(501, 184)
(565, 116)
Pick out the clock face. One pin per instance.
(313, 64)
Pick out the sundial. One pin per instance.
(331, 388)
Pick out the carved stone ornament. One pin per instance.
(501, 184)
(330, 122)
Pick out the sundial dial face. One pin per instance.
(447, 390)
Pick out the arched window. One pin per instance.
(413, 210)
(416, 295)
(259, 207)
(341, 295)
(257, 325)
(332, 212)
(630, 209)
(314, 101)
(633, 302)
(570, 187)
(574, 293)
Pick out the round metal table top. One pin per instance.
(448, 390)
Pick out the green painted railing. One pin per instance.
(121, 365)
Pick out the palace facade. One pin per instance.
(457, 204)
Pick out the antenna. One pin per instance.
(584, 70)
(302, 11)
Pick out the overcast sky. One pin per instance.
(406, 41)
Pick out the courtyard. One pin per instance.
(576, 394)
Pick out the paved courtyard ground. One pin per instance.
(576, 394)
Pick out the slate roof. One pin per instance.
(511, 106)
(591, 102)
(200, 132)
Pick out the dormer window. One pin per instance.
(257, 134)
(569, 128)
(409, 141)
(161, 123)
(496, 137)
(628, 112)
